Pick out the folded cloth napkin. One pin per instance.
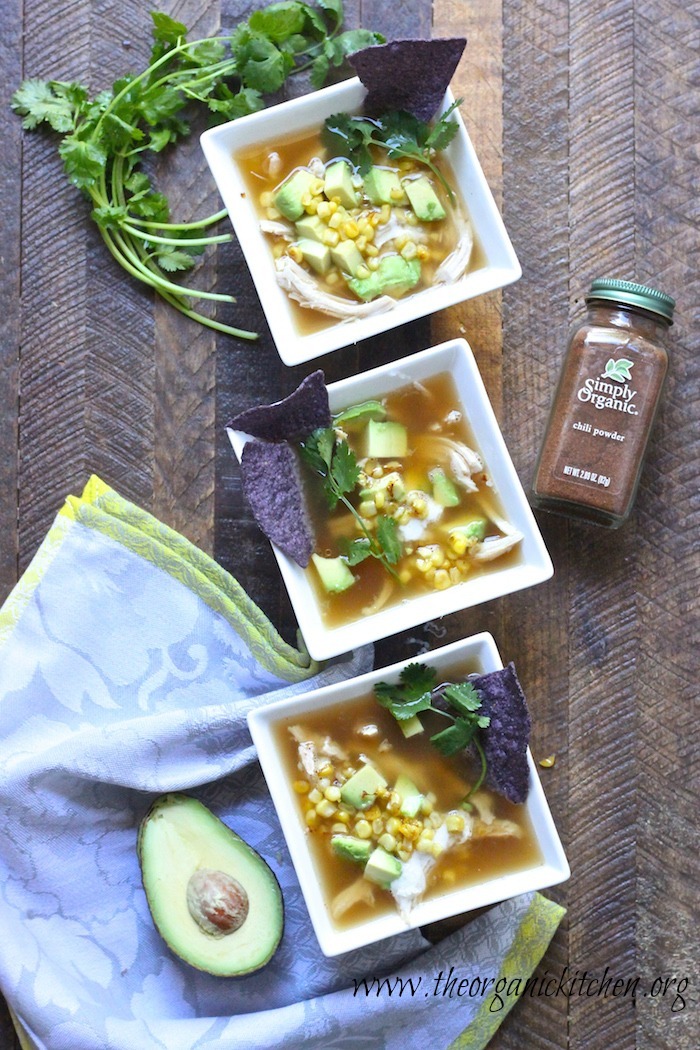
(128, 663)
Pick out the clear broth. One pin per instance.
(468, 864)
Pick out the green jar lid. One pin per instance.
(632, 294)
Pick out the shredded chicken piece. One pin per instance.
(389, 231)
(305, 290)
(381, 599)
(494, 546)
(453, 267)
(358, 891)
(496, 829)
(483, 805)
(463, 461)
(317, 167)
(277, 229)
(409, 888)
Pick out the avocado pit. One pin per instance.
(216, 901)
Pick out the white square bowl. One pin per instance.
(222, 144)
(534, 566)
(476, 653)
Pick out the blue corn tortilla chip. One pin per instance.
(411, 75)
(292, 419)
(506, 738)
(273, 486)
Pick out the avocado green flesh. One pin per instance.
(179, 836)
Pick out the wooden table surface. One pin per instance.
(586, 118)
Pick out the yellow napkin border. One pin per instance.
(104, 510)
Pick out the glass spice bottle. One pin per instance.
(604, 406)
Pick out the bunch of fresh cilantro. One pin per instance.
(459, 702)
(106, 138)
(400, 133)
(334, 461)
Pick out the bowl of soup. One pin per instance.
(436, 487)
(374, 815)
(338, 256)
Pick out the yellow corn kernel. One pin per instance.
(301, 787)
(411, 218)
(311, 208)
(336, 201)
(323, 783)
(374, 219)
(379, 499)
(458, 542)
(362, 272)
(442, 580)
(394, 802)
(338, 829)
(454, 822)
(311, 818)
(426, 807)
(387, 842)
(266, 199)
(435, 820)
(548, 762)
(378, 826)
(422, 565)
(333, 206)
(427, 833)
(378, 472)
(325, 809)
(369, 232)
(401, 241)
(423, 846)
(436, 849)
(368, 508)
(326, 771)
(403, 854)
(333, 277)
(372, 262)
(410, 829)
(406, 164)
(405, 576)
(278, 250)
(343, 816)
(373, 813)
(336, 220)
(331, 237)
(422, 252)
(385, 213)
(315, 796)
(317, 187)
(361, 243)
(455, 575)
(409, 250)
(272, 213)
(332, 793)
(363, 829)
(295, 253)
(323, 210)
(393, 825)
(351, 229)
(396, 193)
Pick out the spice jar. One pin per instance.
(605, 404)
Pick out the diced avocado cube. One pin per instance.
(411, 726)
(444, 491)
(351, 848)
(347, 257)
(360, 413)
(338, 183)
(311, 227)
(317, 255)
(361, 789)
(394, 276)
(411, 797)
(388, 440)
(334, 572)
(289, 196)
(382, 868)
(472, 530)
(424, 199)
(379, 184)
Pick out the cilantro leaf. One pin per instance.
(84, 161)
(38, 101)
(455, 738)
(344, 469)
(357, 550)
(411, 694)
(388, 538)
(464, 697)
(279, 21)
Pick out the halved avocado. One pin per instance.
(213, 899)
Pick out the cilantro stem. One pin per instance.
(465, 803)
(210, 220)
(221, 238)
(375, 549)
